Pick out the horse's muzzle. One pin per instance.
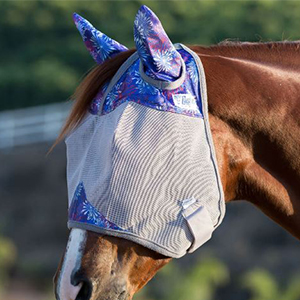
(115, 290)
(97, 267)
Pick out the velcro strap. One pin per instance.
(199, 223)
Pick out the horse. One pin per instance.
(254, 111)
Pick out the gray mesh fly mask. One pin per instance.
(141, 165)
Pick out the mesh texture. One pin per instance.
(138, 164)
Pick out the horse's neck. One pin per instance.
(255, 112)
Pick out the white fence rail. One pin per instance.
(32, 125)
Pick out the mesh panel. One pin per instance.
(138, 164)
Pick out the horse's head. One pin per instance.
(142, 176)
(104, 267)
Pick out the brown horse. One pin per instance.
(254, 113)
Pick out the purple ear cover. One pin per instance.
(99, 45)
(160, 58)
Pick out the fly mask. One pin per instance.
(141, 165)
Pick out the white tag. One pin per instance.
(185, 101)
(188, 202)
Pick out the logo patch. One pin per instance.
(185, 101)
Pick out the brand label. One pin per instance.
(185, 101)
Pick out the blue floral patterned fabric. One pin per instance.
(132, 87)
(160, 59)
(81, 210)
(159, 56)
(99, 45)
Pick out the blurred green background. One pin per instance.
(42, 57)
(42, 60)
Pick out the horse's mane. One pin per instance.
(100, 74)
(88, 88)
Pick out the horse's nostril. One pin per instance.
(85, 293)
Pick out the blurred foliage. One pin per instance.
(203, 280)
(8, 256)
(198, 282)
(264, 286)
(42, 56)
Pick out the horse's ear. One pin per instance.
(99, 45)
(159, 56)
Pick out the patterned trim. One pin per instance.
(129, 85)
(81, 210)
